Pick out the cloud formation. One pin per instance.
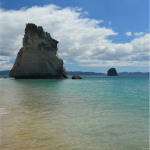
(138, 33)
(5, 65)
(81, 39)
(128, 33)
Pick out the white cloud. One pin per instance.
(66, 62)
(80, 39)
(5, 65)
(115, 63)
(5, 58)
(128, 33)
(109, 23)
(138, 33)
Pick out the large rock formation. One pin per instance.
(76, 77)
(38, 58)
(112, 72)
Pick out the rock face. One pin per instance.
(112, 72)
(38, 58)
(76, 77)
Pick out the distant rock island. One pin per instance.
(112, 72)
(76, 77)
(38, 58)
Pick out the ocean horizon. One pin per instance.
(95, 113)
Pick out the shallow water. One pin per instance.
(87, 114)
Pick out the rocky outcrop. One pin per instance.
(112, 72)
(38, 58)
(76, 77)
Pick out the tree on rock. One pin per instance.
(112, 72)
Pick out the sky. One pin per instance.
(93, 35)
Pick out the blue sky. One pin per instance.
(101, 35)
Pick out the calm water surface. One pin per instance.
(87, 114)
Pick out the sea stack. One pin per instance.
(76, 77)
(112, 72)
(38, 58)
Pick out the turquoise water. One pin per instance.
(88, 114)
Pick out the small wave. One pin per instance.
(3, 111)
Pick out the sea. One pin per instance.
(93, 113)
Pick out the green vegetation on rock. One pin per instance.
(32, 25)
(40, 27)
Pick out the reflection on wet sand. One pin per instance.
(33, 122)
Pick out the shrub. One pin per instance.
(40, 27)
(32, 25)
